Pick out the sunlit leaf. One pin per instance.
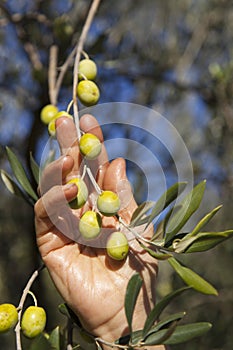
(159, 307)
(20, 174)
(188, 206)
(169, 196)
(132, 291)
(188, 332)
(205, 220)
(35, 168)
(192, 279)
(208, 240)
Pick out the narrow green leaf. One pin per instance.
(14, 188)
(188, 332)
(188, 206)
(169, 196)
(208, 240)
(132, 291)
(159, 307)
(166, 322)
(39, 343)
(54, 338)
(154, 254)
(35, 168)
(141, 210)
(192, 279)
(20, 174)
(205, 220)
(158, 338)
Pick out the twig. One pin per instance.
(52, 74)
(111, 345)
(78, 52)
(21, 304)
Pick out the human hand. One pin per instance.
(91, 283)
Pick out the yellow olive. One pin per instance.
(108, 203)
(90, 146)
(90, 224)
(87, 69)
(47, 113)
(88, 92)
(82, 195)
(33, 321)
(117, 246)
(8, 317)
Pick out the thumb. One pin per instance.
(116, 180)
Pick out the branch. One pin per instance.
(21, 304)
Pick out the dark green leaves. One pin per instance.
(192, 279)
(132, 291)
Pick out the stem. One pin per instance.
(52, 74)
(93, 181)
(21, 304)
(79, 50)
(111, 345)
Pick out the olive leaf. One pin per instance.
(192, 279)
(142, 209)
(207, 240)
(35, 168)
(169, 196)
(158, 338)
(188, 332)
(158, 308)
(166, 322)
(40, 342)
(132, 291)
(188, 206)
(55, 338)
(205, 220)
(14, 188)
(20, 174)
(154, 254)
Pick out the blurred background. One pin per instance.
(175, 57)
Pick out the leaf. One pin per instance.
(159, 307)
(20, 174)
(140, 212)
(207, 240)
(192, 279)
(205, 220)
(132, 291)
(156, 255)
(166, 321)
(169, 196)
(35, 169)
(188, 206)
(187, 332)
(39, 343)
(158, 338)
(54, 338)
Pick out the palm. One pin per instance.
(92, 284)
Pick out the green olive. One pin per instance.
(33, 321)
(108, 203)
(90, 146)
(82, 195)
(90, 224)
(8, 317)
(88, 92)
(87, 69)
(117, 246)
(48, 113)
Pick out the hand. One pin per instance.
(92, 284)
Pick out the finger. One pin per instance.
(68, 142)
(116, 180)
(89, 124)
(55, 173)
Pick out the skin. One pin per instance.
(90, 282)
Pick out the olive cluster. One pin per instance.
(87, 92)
(107, 204)
(32, 323)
